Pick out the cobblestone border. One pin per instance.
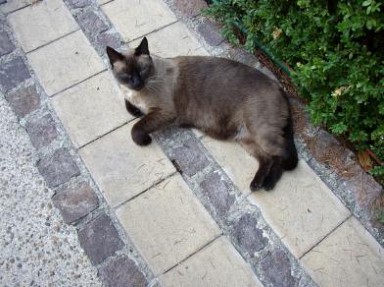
(76, 195)
(335, 164)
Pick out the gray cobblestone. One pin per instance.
(58, 168)
(24, 100)
(189, 8)
(120, 272)
(276, 269)
(108, 38)
(78, 3)
(188, 157)
(75, 202)
(91, 23)
(42, 131)
(210, 32)
(6, 46)
(13, 73)
(248, 236)
(100, 239)
(217, 191)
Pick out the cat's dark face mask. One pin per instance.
(134, 69)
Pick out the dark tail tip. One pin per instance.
(292, 159)
(291, 162)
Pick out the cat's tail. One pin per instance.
(290, 161)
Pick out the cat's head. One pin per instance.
(133, 68)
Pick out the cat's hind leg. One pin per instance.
(274, 174)
(265, 164)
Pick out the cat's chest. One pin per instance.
(135, 99)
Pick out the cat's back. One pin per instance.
(220, 96)
(221, 72)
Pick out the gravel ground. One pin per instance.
(36, 247)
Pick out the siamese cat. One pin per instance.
(224, 99)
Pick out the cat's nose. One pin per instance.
(137, 83)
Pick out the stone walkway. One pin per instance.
(178, 212)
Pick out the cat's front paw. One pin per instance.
(140, 138)
(134, 111)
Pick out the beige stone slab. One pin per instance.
(237, 163)
(167, 224)
(41, 23)
(102, 2)
(300, 209)
(218, 264)
(135, 18)
(91, 108)
(121, 168)
(65, 62)
(12, 5)
(171, 41)
(348, 257)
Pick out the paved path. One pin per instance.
(176, 213)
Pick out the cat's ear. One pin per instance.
(142, 49)
(113, 55)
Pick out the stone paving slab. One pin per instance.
(71, 60)
(101, 2)
(13, 5)
(218, 264)
(121, 168)
(347, 257)
(91, 108)
(167, 224)
(180, 42)
(47, 21)
(301, 209)
(135, 18)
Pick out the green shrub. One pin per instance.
(335, 49)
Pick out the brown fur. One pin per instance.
(225, 99)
